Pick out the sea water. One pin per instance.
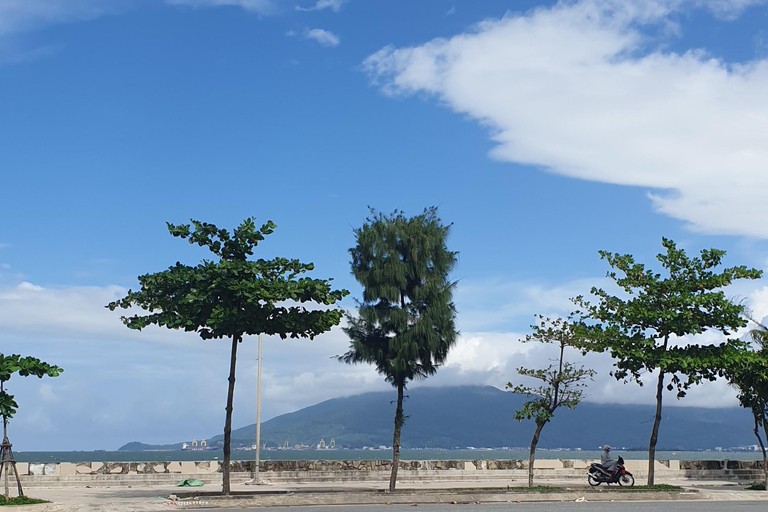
(381, 454)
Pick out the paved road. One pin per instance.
(735, 506)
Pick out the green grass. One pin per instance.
(614, 487)
(20, 500)
(535, 488)
(657, 487)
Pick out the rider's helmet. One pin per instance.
(607, 448)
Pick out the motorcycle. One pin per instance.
(598, 475)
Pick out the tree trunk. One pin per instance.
(655, 432)
(228, 421)
(4, 462)
(532, 455)
(396, 438)
(762, 449)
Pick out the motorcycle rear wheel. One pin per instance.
(626, 480)
(593, 481)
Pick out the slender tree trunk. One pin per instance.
(5, 462)
(228, 421)
(532, 455)
(655, 431)
(762, 449)
(396, 438)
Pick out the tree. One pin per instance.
(645, 329)
(233, 297)
(24, 366)
(563, 383)
(750, 377)
(405, 323)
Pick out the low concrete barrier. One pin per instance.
(506, 472)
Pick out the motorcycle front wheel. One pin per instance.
(593, 481)
(626, 480)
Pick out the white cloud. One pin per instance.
(501, 305)
(18, 16)
(570, 89)
(257, 6)
(112, 374)
(334, 5)
(21, 15)
(25, 286)
(323, 37)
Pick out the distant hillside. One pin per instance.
(482, 416)
(135, 446)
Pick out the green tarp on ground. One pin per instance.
(190, 482)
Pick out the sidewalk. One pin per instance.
(165, 497)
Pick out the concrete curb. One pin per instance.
(150, 499)
(454, 496)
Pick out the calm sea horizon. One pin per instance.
(341, 454)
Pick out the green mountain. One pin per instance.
(482, 416)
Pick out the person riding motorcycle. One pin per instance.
(609, 471)
(608, 464)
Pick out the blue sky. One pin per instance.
(543, 131)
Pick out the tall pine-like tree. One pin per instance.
(406, 319)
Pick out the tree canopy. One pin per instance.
(9, 366)
(648, 326)
(562, 383)
(406, 320)
(749, 375)
(233, 296)
(25, 367)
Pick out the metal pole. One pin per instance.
(258, 418)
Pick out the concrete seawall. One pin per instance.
(506, 472)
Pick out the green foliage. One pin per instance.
(654, 310)
(25, 367)
(654, 487)
(405, 325)
(644, 329)
(20, 500)
(563, 383)
(749, 374)
(233, 296)
(756, 486)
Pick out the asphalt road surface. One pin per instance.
(690, 506)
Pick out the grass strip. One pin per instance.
(20, 500)
(546, 488)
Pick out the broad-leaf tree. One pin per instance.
(405, 323)
(750, 377)
(562, 382)
(233, 296)
(649, 326)
(11, 365)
